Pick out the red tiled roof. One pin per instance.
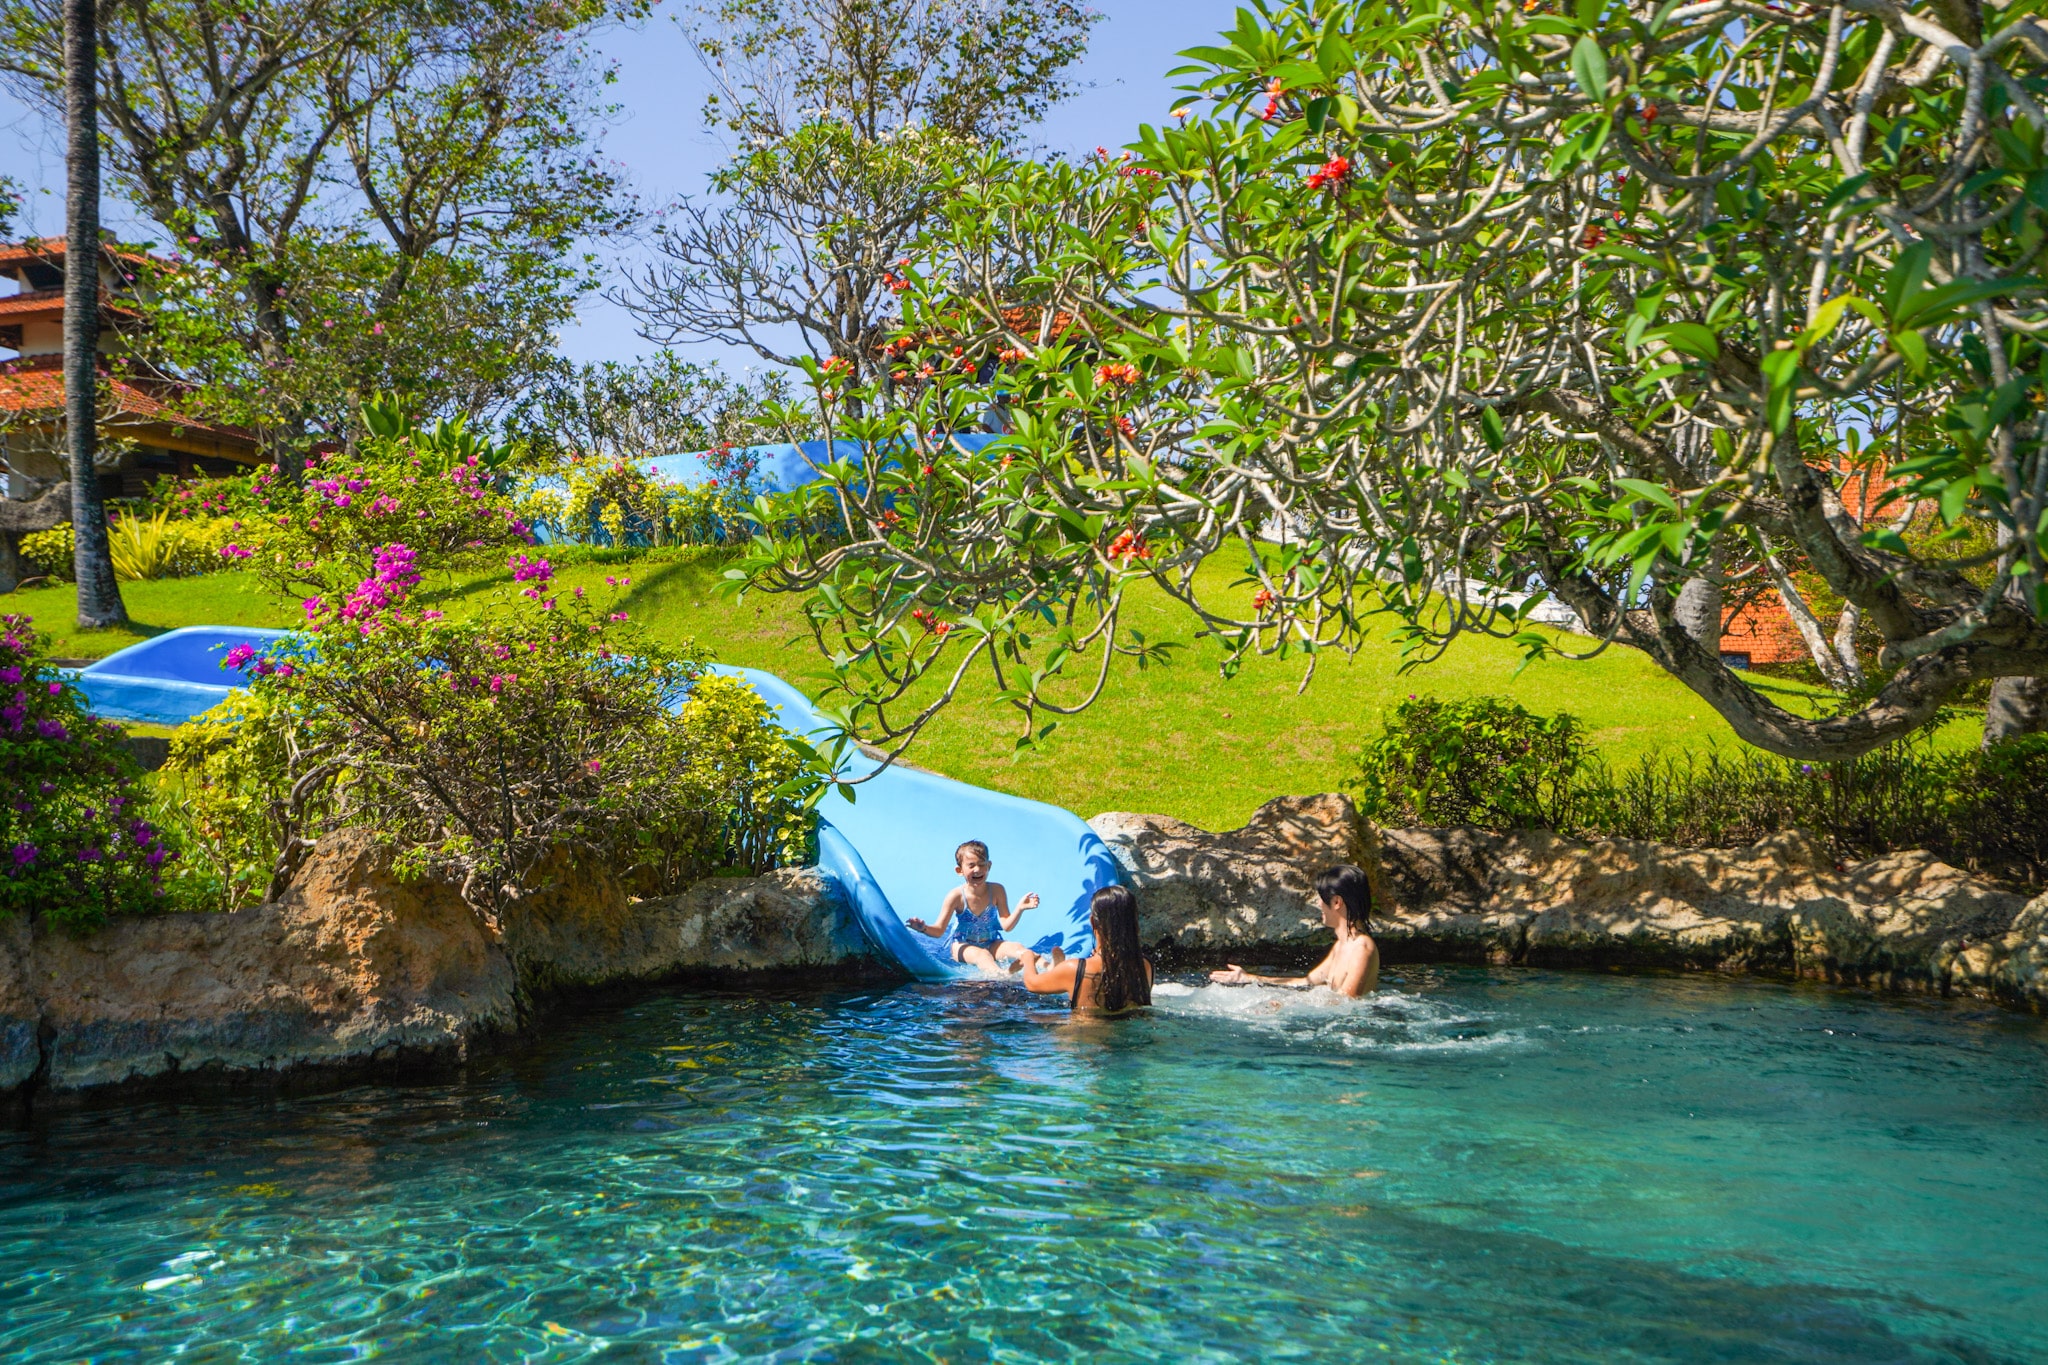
(37, 385)
(47, 303)
(52, 249)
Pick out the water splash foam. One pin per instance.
(1386, 1021)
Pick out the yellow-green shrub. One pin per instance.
(49, 552)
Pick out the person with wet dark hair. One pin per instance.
(1116, 978)
(1353, 964)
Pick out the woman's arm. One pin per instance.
(1059, 980)
(1238, 976)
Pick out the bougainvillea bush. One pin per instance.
(75, 846)
(485, 750)
(440, 490)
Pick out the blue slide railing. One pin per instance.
(889, 847)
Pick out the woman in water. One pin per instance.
(1117, 978)
(1353, 965)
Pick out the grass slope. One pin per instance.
(1178, 740)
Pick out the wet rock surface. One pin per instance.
(1903, 921)
(354, 969)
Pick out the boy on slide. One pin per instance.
(983, 911)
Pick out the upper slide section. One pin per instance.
(890, 847)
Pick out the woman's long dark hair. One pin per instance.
(1355, 887)
(1123, 984)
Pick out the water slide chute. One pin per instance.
(889, 848)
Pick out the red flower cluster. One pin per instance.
(1594, 236)
(1274, 91)
(1012, 355)
(1263, 599)
(1129, 545)
(836, 365)
(932, 624)
(1334, 173)
(1118, 375)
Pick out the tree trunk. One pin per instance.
(99, 595)
(2019, 706)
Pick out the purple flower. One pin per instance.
(52, 729)
(238, 657)
(233, 551)
(24, 854)
(10, 674)
(524, 569)
(88, 855)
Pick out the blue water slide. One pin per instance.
(889, 847)
(169, 678)
(783, 465)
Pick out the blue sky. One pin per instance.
(660, 136)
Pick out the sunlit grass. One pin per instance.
(1175, 739)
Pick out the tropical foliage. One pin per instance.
(1473, 308)
(361, 195)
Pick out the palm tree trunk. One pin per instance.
(99, 595)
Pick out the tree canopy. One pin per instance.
(1427, 315)
(848, 119)
(362, 194)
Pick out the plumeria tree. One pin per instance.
(1434, 315)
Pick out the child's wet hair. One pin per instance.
(977, 845)
(1355, 887)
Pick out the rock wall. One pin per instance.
(1904, 921)
(354, 968)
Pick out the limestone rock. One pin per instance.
(585, 931)
(1201, 893)
(1904, 921)
(352, 967)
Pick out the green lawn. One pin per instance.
(1177, 739)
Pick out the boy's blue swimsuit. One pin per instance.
(983, 930)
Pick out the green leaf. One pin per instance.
(1589, 68)
(1688, 338)
(1493, 429)
(1914, 350)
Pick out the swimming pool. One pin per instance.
(1481, 1165)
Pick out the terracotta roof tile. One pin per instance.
(52, 249)
(38, 386)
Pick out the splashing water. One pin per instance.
(1476, 1165)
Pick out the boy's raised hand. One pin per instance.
(1030, 899)
(914, 923)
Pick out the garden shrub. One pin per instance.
(158, 546)
(613, 503)
(1488, 762)
(227, 791)
(744, 768)
(75, 846)
(436, 490)
(1480, 761)
(50, 553)
(1981, 809)
(481, 750)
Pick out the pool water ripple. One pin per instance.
(1477, 1165)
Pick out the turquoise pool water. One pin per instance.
(1477, 1166)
